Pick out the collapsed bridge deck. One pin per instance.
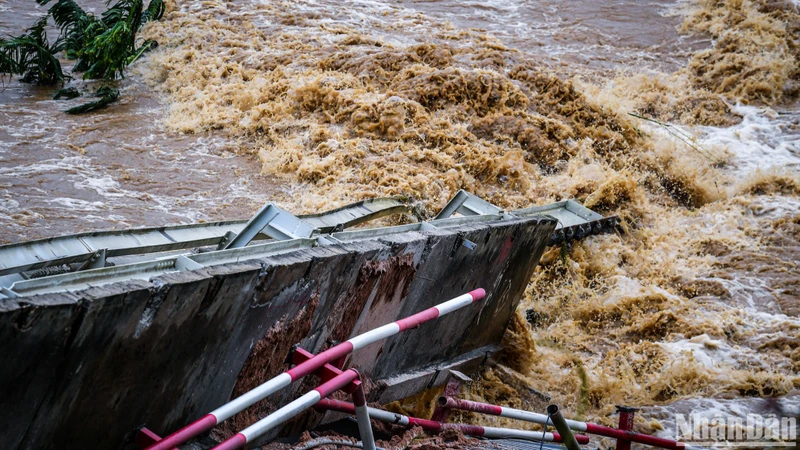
(89, 359)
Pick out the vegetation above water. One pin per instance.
(101, 46)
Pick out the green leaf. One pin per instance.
(107, 95)
(155, 10)
(32, 56)
(102, 46)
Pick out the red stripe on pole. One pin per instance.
(477, 294)
(582, 439)
(472, 430)
(336, 383)
(425, 424)
(336, 405)
(622, 435)
(432, 313)
(483, 408)
(236, 441)
(196, 428)
(310, 366)
(358, 398)
(633, 436)
(416, 319)
(326, 372)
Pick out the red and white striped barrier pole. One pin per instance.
(362, 416)
(430, 425)
(527, 416)
(228, 410)
(294, 408)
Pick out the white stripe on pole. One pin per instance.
(387, 416)
(390, 417)
(492, 432)
(282, 415)
(528, 416)
(454, 304)
(371, 336)
(231, 408)
(365, 428)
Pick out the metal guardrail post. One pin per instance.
(274, 222)
(626, 416)
(362, 416)
(467, 204)
(563, 429)
(452, 387)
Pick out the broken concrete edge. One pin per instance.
(137, 333)
(410, 383)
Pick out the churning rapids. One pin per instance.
(695, 308)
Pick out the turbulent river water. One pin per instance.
(317, 103)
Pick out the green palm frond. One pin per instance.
(107, 53)
(32, 56)
(7, 63)
(66, 14)
(103, 46)
(145, 47)
(155, 10)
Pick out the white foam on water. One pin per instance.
(716, 355)
(103, 185)
(764, 139)
(77, 204)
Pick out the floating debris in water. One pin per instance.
(107, 96)
(67, 93)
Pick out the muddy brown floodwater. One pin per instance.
(694, 308)
(579, 37)
(117, 168)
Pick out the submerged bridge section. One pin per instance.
(92, 354)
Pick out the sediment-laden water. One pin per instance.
(682, 118)
(122, 168)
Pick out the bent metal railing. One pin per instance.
(333, 379)
(307, 367)
(432, 425)
(622, 434)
